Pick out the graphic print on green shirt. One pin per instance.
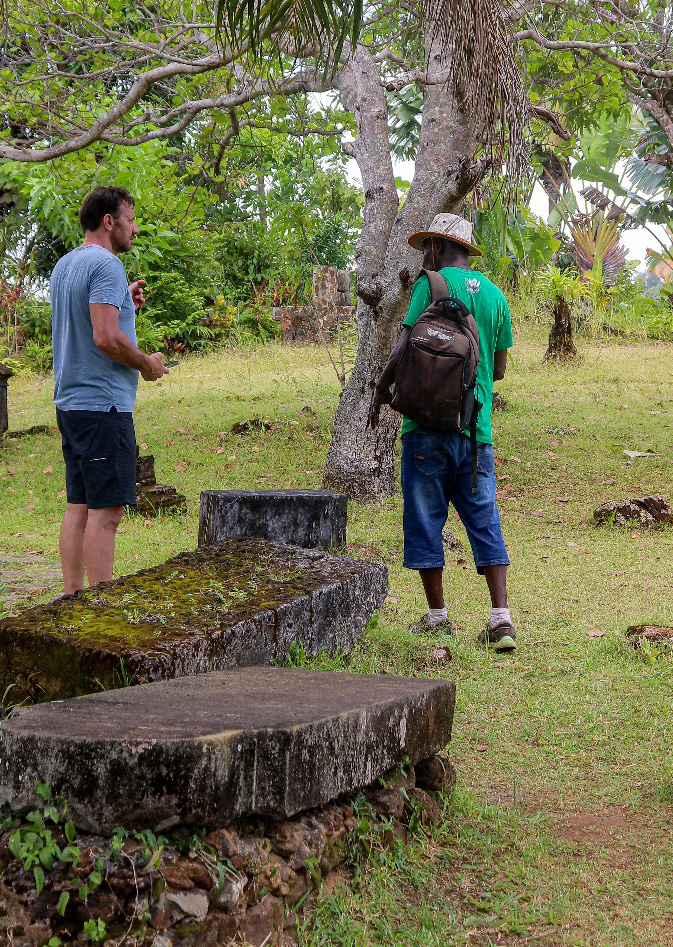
(491, 313)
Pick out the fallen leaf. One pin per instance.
(551, 453)
(500, 664)
(12, 471)
(563, 499)
(392, 599)
(30, 507)
(182, 430)
(181, 465)
(48, 470)
(144, 446)
(231, 457)
(574, 544)
(482, 748)
(563, 473)
(255, 450)
(61, 494)
(149, 522)
(596, 633)
(538, 513)
(220, 450)
(638, 453)
(555, 442)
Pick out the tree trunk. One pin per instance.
(561, 346)
(361, 462)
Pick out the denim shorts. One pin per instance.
(436, 471)
(99, 450)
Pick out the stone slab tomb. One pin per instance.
(152, 496)
(308, 518)
(239, 602)
(206, 749)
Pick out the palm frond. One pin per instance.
(323, 24)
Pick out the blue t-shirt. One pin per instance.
(86, 379)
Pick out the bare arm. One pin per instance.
(387, 377)
(116, 344)
(499, 364)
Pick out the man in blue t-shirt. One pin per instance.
(96, 368)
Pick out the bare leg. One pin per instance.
(71, 546)
(432, 585)
(99, 543)
(496, 579)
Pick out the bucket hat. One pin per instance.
(447, 227)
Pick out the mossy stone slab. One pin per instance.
(236, 603)
(202, 750)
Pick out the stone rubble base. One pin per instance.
(242, 885)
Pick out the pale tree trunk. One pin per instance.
(361, 462)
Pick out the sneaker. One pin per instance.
(423, 626)
(500, 638)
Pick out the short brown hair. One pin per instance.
(102, 201)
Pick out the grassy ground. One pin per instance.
(560, 832)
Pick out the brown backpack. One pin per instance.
(436, 376)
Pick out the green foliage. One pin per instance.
(615, 307)
(215, 260)
(514, 241)
(96, 930)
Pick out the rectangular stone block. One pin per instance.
(239, 602)
(202, 750)
(308, 518)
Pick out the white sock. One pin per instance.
(497, 616)
(437, 614)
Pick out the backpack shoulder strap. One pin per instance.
(438, 285)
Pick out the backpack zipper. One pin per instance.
(414, 344)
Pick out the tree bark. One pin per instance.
(361, 462)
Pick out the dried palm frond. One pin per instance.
(470, 38)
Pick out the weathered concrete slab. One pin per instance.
(240, 602)
(202, 750)
(309, 518)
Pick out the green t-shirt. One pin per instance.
(491, 313)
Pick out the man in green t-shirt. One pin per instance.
(436, 467)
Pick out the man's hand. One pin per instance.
(155, 367)
(375, 409)
(137, 293)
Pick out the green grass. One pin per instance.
(560, 831)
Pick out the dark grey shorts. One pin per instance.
(99, 450)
